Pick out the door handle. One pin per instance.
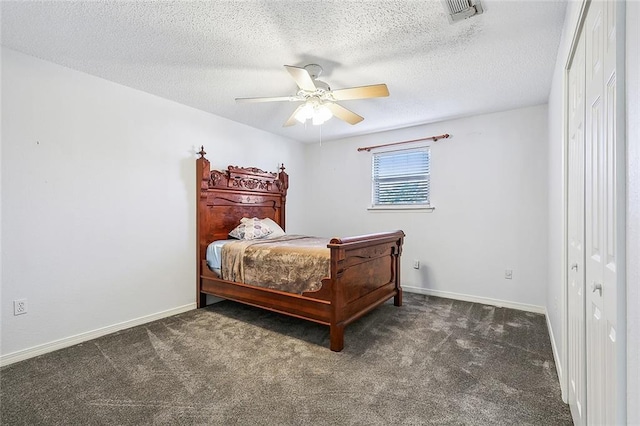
(596, 287)
(574, 266)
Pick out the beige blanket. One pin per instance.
(291, 263)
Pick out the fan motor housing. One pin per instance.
(314, 70)
(322, 85)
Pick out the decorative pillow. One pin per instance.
(250, 229)
(269, 223)
(277, 230)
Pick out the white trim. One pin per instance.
(34, 351)
(556, 359)
(401, 207)
(633, 211)
(476, 299)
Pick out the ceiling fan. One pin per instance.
(319, 101)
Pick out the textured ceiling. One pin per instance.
(205, 54)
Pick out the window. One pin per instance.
(401, 178)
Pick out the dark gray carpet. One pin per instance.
(432, 361)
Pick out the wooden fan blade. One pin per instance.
(343, 114)
(302, 78)
(272, 99)
(292, 120)
(362, 92)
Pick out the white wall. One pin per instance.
(633, 212)
(98, 200)
(489, 190)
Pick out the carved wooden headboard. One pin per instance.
(226, 196)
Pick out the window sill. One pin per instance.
(401, 208)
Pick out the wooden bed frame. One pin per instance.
(365, 270)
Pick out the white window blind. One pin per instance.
(401, 178)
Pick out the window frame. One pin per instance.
(409, 206)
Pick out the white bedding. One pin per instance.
(214, 255)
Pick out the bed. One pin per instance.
(364, 271)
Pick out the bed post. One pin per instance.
(336, 337)
(283, 178)
(336, 320)
(397, 299)
(202, 178)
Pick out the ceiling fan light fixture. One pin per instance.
(314, 110)
(304, 113)
(321, 114)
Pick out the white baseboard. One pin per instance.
(83, 337)
(556, 359)
(476, 299)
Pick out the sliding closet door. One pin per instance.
(595, 219)
(575, 226)
(601, 214)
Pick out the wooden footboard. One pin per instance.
(365, 272)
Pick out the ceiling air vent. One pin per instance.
(458, 10)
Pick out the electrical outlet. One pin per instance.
(416, 264)
(508, 274)
(19, 306)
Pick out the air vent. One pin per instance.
(458, 10)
